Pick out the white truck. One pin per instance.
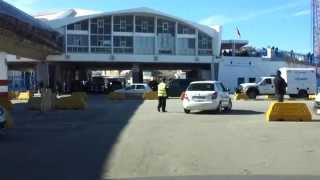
(301, 83)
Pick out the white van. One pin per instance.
(301, 83)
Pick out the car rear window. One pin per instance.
(201, 87)
(140, 87)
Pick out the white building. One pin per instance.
(138, 39)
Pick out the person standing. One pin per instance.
(280, 87)
(162, 95)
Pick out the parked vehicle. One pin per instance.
(206, 95)
(301, 83)
(177, 86)
(98, 84)
(135, 89)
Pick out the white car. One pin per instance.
(135, 89)
(206, 95)
(317, 104)
(2, 117)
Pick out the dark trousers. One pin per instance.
(162, 103)
(280, 97)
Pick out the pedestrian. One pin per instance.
(280, 87)
(162, 95)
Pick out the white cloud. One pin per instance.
(305, 12)
(222, 19)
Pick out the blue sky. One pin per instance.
(282, 23)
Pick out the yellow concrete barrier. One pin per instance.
(34, 103)
(288, 112)
(117, 96)
(5, 102)
(152, 95)
(24, 96)
(71, 102)
(82, 95)
(312, 97)
(241, 96)
(13, 95)
(8, 120)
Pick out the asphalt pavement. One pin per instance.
(128, 139)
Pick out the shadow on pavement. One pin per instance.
(233, 112)
(64, 145)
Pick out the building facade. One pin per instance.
(136, 36)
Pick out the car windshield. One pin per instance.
(201, 87)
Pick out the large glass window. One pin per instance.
(166, 43)
(101, 44)
(166, 27)
(123, 23)
(144, 24)
(101, 25)
(79, 26)
(186, 46)
(144, 45)
(185, 29)
(123, 44)
(205, 44)
(77, 43)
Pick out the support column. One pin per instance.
(4, 96)
(43, 73)
(214, 71)
(137, 74)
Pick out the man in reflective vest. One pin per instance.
(162, 94)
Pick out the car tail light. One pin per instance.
(214, 95)
(186, 97)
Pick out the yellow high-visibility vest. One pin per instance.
(162, 90)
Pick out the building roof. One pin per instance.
(50, 16)
(62, 20)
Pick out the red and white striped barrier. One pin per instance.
(3, 75)
(3, 87)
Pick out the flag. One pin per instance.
(238, 32)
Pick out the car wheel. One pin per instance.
(303, 94)
(220, 108)
(229, 108)
(252, 94)
(187, 111)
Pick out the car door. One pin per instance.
(267, 86)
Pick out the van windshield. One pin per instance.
(201, 87)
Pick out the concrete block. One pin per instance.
(24, 95)
(152, 95)
(241, 96)
(82, 95)
(288, 112)
(117, 96)
(71, 102)
(5, 102)
(35, 103)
